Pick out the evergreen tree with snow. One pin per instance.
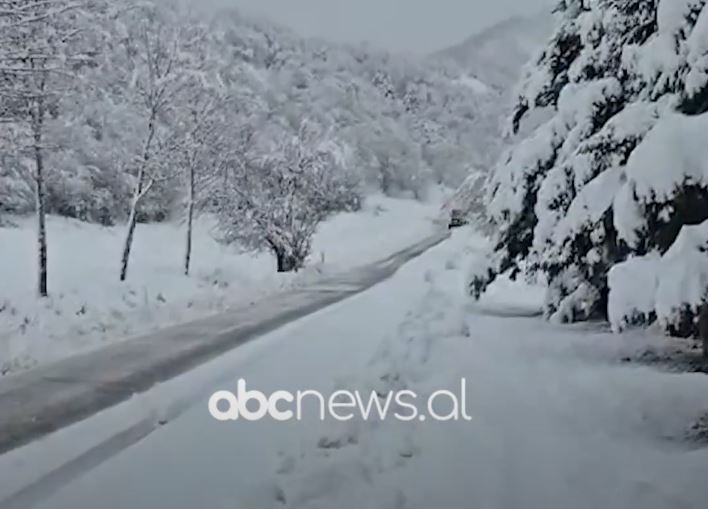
(572, 202)
(662, 206)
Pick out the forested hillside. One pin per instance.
(607, 201)
(245, 86)
(496, 55)
(128, 112)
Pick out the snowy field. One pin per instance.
(89, 307)
(558, 420)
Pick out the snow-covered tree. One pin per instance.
(275, 200)
(515, 182)
(595, 186)
(157, 60)
(39, 53)
(663, 200)
(200, 139)
(126, 146)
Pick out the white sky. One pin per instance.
(419, 26)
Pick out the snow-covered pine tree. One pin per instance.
(574, 242)
(514, 183)
(616, 174)
(662, 207)
(537, 193)
(680, 76)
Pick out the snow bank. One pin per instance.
(468, 80)
(557, 420)
(89, 307)
(669, 289)
(683, 281)
(529, 444)
(632, 299)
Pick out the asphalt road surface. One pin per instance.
(49, 398)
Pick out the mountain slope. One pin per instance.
(497, 54)
(402, 123)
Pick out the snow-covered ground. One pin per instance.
(89, 307)
(558, 420)
(478, 86)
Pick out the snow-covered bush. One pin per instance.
(669, 288)
(275, 200)
(683, 282)
(633, 285)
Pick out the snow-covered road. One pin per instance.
(50, 397)
(558, 420)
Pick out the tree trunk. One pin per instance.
(40, 200)
(141, 188)
(286, 261)
(385, 181)
(703, 328)
(190, 221)
(132, 224)
(128, 244)
(40, 195)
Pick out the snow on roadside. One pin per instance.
(468, 80)
(558, 420)
(88, 307)
(669, 289)
(194, 449)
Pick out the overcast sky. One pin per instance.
(419, 26)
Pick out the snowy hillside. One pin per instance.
(399, 123)
(497, 54)
(490, 63)
(148, 113)
(90, 307)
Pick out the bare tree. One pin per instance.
(191, 199)
(153, 47)
(37, 58)
(199, 149)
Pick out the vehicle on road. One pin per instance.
(457, 219)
